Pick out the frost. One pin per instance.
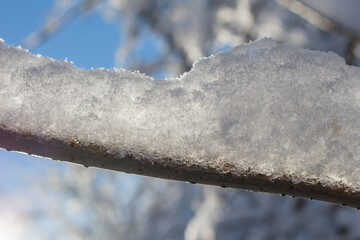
(260, 109)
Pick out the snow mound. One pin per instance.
(260, 109)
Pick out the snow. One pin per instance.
(271, 109)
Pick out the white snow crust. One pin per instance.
(273, 108)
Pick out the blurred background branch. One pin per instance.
(80, 203)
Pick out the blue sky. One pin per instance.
(88, 42)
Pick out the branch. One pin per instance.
(57, 22)
(327, 24)
(263, 117)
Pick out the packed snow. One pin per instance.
(270, 108)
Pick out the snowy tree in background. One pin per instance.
(154, 209)
(184, 31)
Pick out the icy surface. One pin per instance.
(272, 108)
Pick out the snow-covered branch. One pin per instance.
(262, 116)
